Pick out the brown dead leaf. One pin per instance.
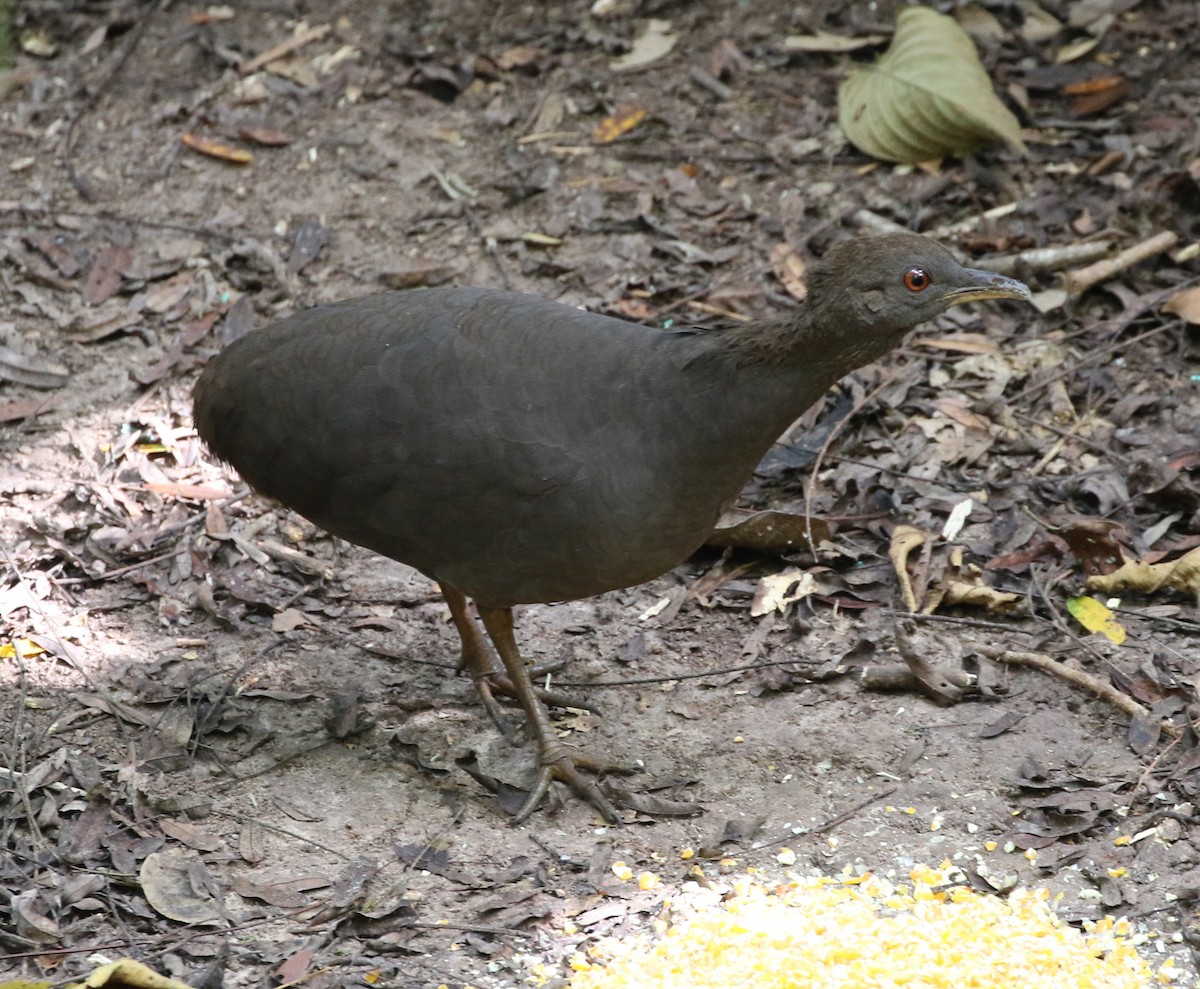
(24, 408)
(956, 409)
(1096, 95)
(177, 885)
(188, 834)
(31, 371)
(104, 278)
(411, 274)
(215, 149)
(30, 912)
(289, 620)
(90, 327)
(288, 894)
(191, 334)
(1185, 304)
(167, 295)
(1043, 549)
(51, 247)
(268, 137)
(1094, 544)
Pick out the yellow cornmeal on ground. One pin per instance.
(824, 933)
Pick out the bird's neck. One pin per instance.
(751, 382)
(824, 339)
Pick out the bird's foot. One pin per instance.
(557, 762)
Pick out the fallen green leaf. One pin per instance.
(927, 96)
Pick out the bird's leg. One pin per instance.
(556, 762)
(477, 656)
(480, 661)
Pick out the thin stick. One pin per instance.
(1081, 279)
(1048, 664)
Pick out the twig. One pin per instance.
(1046, 258)
(296, 41)
(245, 819)
(829, 823)
(1048, 664)
(1081, 279)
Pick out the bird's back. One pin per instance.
(513, 447)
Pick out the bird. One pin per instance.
(517, 450)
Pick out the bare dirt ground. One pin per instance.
(236, 750)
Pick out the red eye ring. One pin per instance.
(917, 280)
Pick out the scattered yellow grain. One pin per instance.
(990, 846)
(647, 880)
(786, 857)
(687, 853)
(1031, 854)
(1118, 872)
(822, 933)
(1123, 840)
(622, 871)
(926, 875)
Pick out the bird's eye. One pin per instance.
(917, 280)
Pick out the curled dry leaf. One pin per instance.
(621, 122)
(1146, 578)
(215, 149)
(906, 538)
(655, 41)
(127, 972)
(927, 96)
(979, 595)
(777, 591)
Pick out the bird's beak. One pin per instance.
(988, 285)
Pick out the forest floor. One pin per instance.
(234, 748)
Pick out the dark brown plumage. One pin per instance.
(517, 450)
